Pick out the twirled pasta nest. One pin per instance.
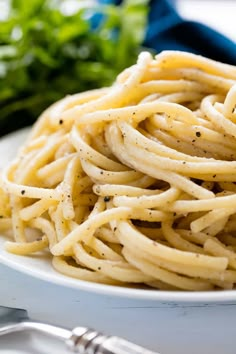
(134, 183)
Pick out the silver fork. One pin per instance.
(80, 340)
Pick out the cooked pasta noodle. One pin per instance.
(134, 184)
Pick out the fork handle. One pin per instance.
(87, 341)
(81, 340)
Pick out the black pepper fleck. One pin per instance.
(23, 192)
(106, 198)
(198, 134)
(61, 121)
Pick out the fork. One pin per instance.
(80, 340)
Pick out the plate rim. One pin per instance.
(13, 262)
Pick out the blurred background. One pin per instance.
(219, 14)
(51, 48)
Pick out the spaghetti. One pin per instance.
(134, 183)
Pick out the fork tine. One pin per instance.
(12, 315)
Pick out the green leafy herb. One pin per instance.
(49, 49)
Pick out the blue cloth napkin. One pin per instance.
(168, 30)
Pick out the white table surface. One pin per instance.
(170, 328)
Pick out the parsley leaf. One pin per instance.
(49, 49)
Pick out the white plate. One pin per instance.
(42, 268)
